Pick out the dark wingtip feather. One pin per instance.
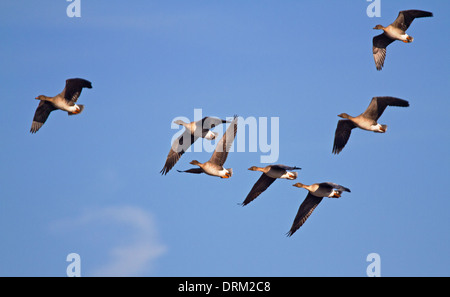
(290, 233)
(35, 126)
(336, 150)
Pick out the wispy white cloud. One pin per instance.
(142, 246)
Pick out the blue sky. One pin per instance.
(90, 184)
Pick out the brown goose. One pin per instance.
(66, 100)
(366, 121)
(214, 166)
(395, 31)
(316, 192)
(269, 175)
(193, 131)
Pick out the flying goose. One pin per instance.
(214, 166)
(193, 131)
(66, 100)
(269, 175)
(316, 192)
(366, 121)
(395, 31)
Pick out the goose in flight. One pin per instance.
(366, 121)
(193, 131)
(214, 166)
(269, 175)
(395, 31)
(316, 192)
(66, 101)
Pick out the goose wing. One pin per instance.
(40, 116)
(335, 186)
(221, 153)
(380, 43)
(305, 210)
(284, 167)
(342, 135)
(260, 186)
(179, 147)
(73, 88)
(211, 122)
(406, 17)
(193, 170)
(379, 104)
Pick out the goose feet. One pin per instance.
(227, 175)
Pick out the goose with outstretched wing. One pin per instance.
(366, 121)
(193, 131)
(66, 101)
(269, 174)
(316, 192)
(214, 166)
(395, 31)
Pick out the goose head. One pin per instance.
(41, 97)
(179, 122)
(299, 185)
(195, 162)
(256, 168)
(344, 116)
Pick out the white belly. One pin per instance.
(212, 171)
(211, 135)
(404, 37)
(289, 175)
(365, 126)
(396, 34)
(378, 128)
(66, 107)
